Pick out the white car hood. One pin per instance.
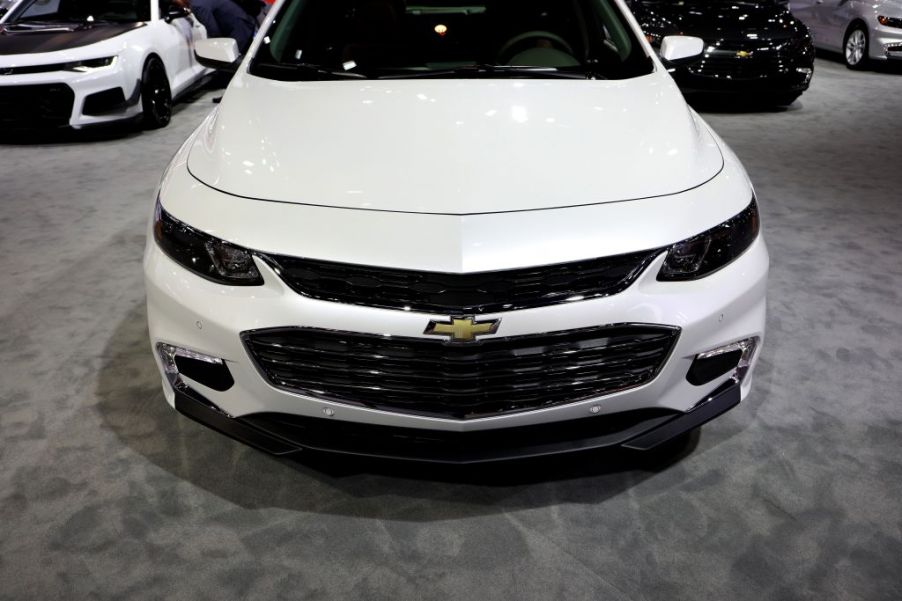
(454, 147)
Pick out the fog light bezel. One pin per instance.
(169, 355)
(747, 348)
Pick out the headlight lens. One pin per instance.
(91, 64)
(704, 254)
(889, 21)
(208, 257)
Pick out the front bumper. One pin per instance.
(726, 69)
(776, 83)
(280, 434)
(103, 95)
(192, 313)
(886, 43)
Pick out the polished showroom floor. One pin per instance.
(106, 493)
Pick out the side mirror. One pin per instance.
(218, 53)
(679, 50)
(175, 12)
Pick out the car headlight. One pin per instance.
(890, 21)
(91, 64)
(205, 255)
(702, 255)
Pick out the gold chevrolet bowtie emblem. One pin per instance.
(462, 329)
(743, 54)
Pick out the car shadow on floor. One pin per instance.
(131, 405)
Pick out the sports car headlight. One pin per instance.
(208, 257)
(709, 251)
(91, 64)
(890, 21)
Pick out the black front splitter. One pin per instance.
(282, 434)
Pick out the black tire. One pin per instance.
(156, 97)
(855, 47)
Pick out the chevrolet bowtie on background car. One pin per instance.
(754, 50)
(454, 232)
(72, 63)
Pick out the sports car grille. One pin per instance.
(458, 293)
(46, 105)
(461, 381)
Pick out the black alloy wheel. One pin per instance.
(855, 47)
(156, 97)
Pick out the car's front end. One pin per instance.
(61, 89)
(454, 269)
(72, 71)
(755, 50)
(886, 29)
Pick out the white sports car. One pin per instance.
(86, 62)
(457, 232)
(862, 31)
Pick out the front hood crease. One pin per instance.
(454, 147)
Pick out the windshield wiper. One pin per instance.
(303, 71)
(42, 26)
(489, 71)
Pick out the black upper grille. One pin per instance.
(461, 381)
(724, 62)
(459, 293)
(46, 105)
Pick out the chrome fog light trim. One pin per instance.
(806, 71)
(204, 369)
(747, 348)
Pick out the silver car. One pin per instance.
(861, 31)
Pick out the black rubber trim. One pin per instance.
(642, 436)
(480, 446)
(194, 406)
(719, 402)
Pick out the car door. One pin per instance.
(176, 36)
(836, 21)
(803, 10)
(812, 13)
(831, 21)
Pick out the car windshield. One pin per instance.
(343, 39)
(81, 11)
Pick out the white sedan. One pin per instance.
(454, 232)
(71, 63)
(861, 31)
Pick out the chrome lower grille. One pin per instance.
(461, 381)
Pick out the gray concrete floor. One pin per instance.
(105, 493)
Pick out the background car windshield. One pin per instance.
(423, 38)
(79, 10)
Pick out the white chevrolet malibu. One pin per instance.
(456, 232)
